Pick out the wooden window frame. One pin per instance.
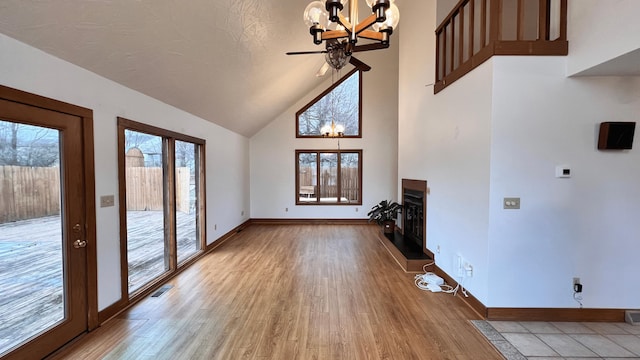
(333, 151)
(325, 93)
(168, 143)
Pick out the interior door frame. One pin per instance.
(89, 205)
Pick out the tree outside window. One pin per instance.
(340, 103)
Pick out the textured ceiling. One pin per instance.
(222, 60)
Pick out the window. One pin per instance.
(162, 195)
(341, 103)
(329, 177)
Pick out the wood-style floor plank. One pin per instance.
(292, 292)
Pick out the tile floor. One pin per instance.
(562, 340)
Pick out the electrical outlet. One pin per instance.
(577, 285)
(468, 270)
(215, 227)
(286, 209)
(242, 213)
(438, 249)
(511, 203)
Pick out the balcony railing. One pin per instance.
(475, 30)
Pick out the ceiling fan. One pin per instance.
(338, 54)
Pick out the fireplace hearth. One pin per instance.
(409, 246)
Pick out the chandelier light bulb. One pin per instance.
(315, 14)
(393, 19)
(332, 130)
(327, 21)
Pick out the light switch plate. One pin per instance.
(107, 201)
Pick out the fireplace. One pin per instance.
(414, 212)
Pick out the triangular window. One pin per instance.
(341, 103)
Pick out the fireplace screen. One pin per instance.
(413, 202)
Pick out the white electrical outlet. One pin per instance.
(511, 203)
(468, 269)
(459, 266)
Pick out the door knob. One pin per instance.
(79, 244)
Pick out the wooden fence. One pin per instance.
(33, 192)
(144, 189)
(28, 192)
(349, 183)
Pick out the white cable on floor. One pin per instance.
(448, 289)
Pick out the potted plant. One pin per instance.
(385, 214)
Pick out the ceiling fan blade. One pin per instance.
(306, 52)
(359, 64)
(367, 47)
(323, 70)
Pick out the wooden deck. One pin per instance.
(30, 278)
(146, 244)
(31, 285)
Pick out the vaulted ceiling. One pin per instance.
(222, 60)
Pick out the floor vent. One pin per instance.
(632, 317)
(162, 290)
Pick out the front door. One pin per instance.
(43, 258)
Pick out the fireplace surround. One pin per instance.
(409, 246)
(414, 214)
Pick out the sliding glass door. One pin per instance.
(163, 191)
(147, 243)
(186, 209)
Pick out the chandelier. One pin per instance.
(332, 130)
(320, 15)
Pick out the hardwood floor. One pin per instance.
(292, 292)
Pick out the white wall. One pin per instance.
(585, 226)
(273, 148)
(599, 31)
(499, 132)
(28, 69)
(446, 143)
(444, 7)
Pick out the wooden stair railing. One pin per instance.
(475, 30)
